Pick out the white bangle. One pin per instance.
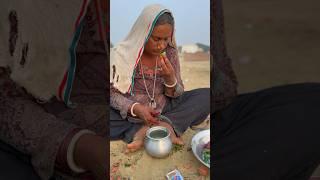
(131, 110)
(70, 151)
(173, 85)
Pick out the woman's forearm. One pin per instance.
(119, 102)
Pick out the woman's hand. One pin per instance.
(146, 113)
(166, 70)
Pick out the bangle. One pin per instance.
(70, 151)
(131, 110)
(170, 86)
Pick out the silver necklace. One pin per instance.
(152, 102)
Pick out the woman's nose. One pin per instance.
(162, 44)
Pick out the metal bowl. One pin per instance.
(198, 142)
(157, 142)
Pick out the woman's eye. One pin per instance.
(160, 39)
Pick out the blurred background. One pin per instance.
(273, 42)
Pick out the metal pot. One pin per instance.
(157, 142)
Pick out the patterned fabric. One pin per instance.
(29, 47)
(28, 128)
(122, 102)
(224, 79)
(38, 129)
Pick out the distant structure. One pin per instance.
(194, 52)
(191, 48)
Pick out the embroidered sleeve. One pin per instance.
(172, 55)
(119, 102)
(28, 128)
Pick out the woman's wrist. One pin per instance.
(61, 158)
(133, 112)
(90, 151)
(170, 82)
(71, 149)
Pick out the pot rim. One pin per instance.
(157, 128)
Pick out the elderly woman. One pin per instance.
(272, 134)
(52, 95)
(147, 85)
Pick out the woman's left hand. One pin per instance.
(166, 70)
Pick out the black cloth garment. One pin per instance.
(271, 134)
(15, 165)
(191, 108)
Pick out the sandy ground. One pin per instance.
(273, 42)
(140, 166)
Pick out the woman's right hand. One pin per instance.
(146, 113)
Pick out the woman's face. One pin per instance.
(159, 39)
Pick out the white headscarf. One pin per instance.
(125, 56)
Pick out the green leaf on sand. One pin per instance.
(127, 164)
(177, 147)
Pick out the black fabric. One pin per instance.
(121, 128)
(191, 108)
(273, 134)
(15, 165)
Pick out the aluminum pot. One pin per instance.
(157, 142)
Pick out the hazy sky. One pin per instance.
(192, 18)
